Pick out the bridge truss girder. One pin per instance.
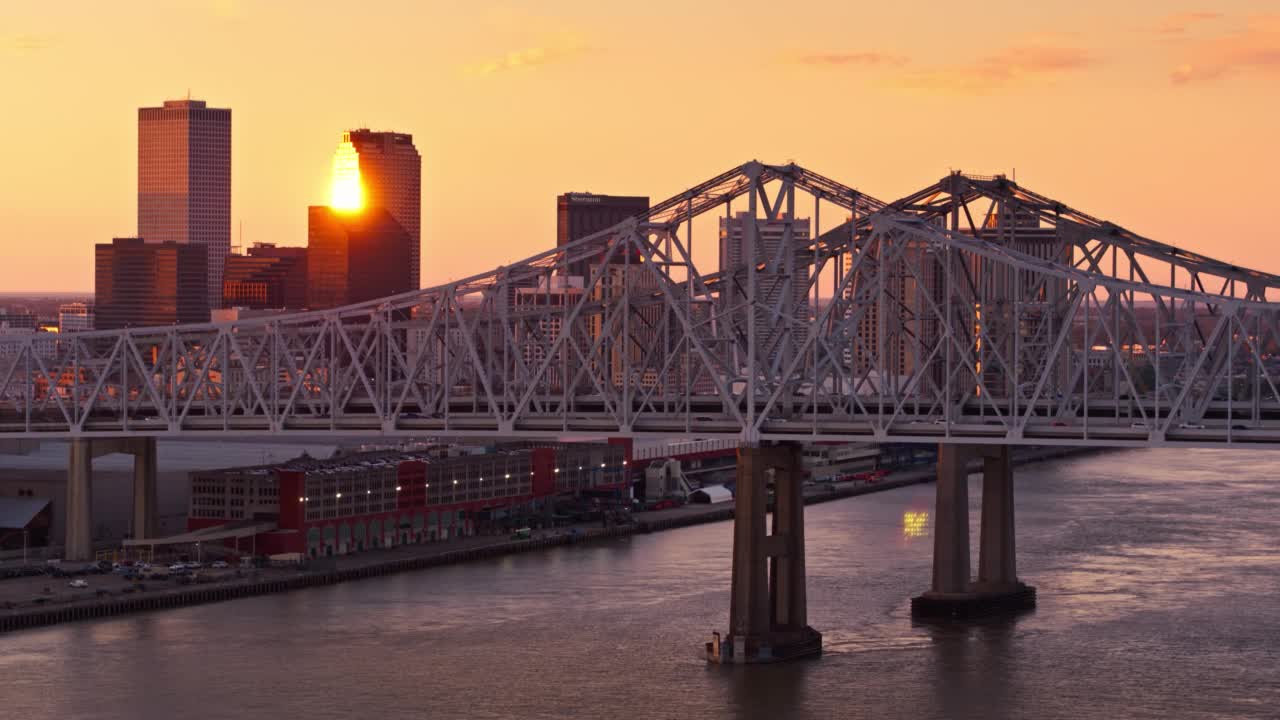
(919, 320)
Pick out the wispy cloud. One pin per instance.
(556, 49)
(868, 58)
(231, 10)
(1179, 23)
(1010, 66)
(22, 44)
(1252, 50)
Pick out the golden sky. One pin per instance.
(1160, 116)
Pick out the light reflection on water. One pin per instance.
(914, 523)
(1158, 575)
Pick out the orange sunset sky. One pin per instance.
(1160, 116)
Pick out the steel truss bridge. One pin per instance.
(972, 311)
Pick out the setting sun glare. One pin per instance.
(345, 190)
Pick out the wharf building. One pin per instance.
(139, 284)
(389, 173)
(266, 277)
(184, 182)
(356, 255)
(386, 498)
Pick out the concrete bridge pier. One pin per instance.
(997, 589)
(79, 532)
(78, 544)
(768, 609)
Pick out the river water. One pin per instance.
(1158, 574)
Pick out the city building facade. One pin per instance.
(390, 174)
(140, 284)
(18, 320)
(266, 277)
(581, 214)
(355, 256)
(184, 181)
(75, 317)
(783, 283)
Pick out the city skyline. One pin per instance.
(1148, 108)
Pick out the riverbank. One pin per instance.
(25, 604)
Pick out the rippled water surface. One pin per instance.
(1158, 574)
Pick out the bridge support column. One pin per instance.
(951, 522)
(79, 534)
(997, 556)
(768, 610)
(998, 589)
(145, 523)
(78, 542)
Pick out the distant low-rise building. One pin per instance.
(18, 320)
(235, 314)
(12, 340)
(75, 317)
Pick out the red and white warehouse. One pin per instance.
(388, 498)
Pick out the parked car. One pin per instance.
(219, 565)
(78, 584)
(1190, 426)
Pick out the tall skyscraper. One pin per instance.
(581, 214)
(775, 341)
(353, 256)
(184, 181)
(139, 284)
(382, 170)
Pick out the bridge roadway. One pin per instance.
(1109, 425)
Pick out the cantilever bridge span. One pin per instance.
(973, 311)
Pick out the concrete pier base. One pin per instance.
(768, 608)
(145, 517)
(79, 532)
(974, 605)
(997, 589)
(78, 543)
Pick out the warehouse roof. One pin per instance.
(19, 512)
